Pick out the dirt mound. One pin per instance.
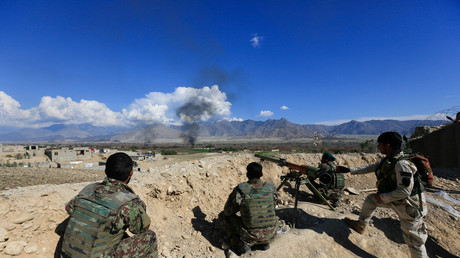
(184, 198)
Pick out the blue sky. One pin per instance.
(127, 63)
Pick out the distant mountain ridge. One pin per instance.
(271, 128)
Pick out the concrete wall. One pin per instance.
(68, 154)
(13, 148)
(442, 146)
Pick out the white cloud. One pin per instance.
(184, 105)
(11, 113)
(231, 119)
(255, 41)
(67, 111)
(265, 113)
(284, 108)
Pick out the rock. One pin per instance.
(352, 190)
(3, 234)
(27, 225)
(10, 226)
(225, 245)
(165, 174)
(23, 219)
(165, 252)
(31, 248)
(188, 256)
(4, 209)
(14, 247)
(170, 190)
(230, 254)
(2, 246)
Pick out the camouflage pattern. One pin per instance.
(233, 224)
(335, 193)
(411, 209)
(140, 245)
(131, 215)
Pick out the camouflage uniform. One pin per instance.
(236, 226)
(333, 193)
(131, 215)
(408, 206)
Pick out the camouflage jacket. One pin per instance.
(403, 173)
(132, 215)
(233, 206)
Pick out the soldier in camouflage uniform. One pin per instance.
(331, 182)
(398, 188)
(101, 213)
(258, 224)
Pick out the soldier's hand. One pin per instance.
(342, 169)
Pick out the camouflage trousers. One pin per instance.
(234, 228)
(140, 245)
(330, 194)
(412, 225)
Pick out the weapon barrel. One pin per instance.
(267, 158)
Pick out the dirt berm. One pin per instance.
(184, 198)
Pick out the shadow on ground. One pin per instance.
(435, 250)
(211, 230)
(60, 229)
(335, 228)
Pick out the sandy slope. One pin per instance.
(184, 198)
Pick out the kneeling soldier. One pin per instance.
(101, 213)
(258, 224)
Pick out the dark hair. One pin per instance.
(254, 170)
(119, 166)
(392, 138)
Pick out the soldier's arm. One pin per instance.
(70, 206)
(132, 215)
(232, 206)
(405, 182)
(364, 169)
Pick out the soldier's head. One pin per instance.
(119, 166)
(389, 142)
(327, 157)
(254, 170)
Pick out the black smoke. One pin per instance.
(191, 113)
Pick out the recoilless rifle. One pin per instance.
(297, 173)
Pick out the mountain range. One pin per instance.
(271, 128)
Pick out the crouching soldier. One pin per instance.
(331, 183)
(101, 213)
(398, 188)
(258, 224)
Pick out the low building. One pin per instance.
(68, 154)
(13, 148)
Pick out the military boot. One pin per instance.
(239, 246)
(262, 247)
(356, 225)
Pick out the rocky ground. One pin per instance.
(185, 194)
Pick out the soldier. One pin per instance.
(331, 182)
(258, 224)
(398, 189)
(101, 213)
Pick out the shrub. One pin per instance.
(168, 152)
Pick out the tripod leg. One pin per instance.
(282, 183)
(315, 191)
(296, 201)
